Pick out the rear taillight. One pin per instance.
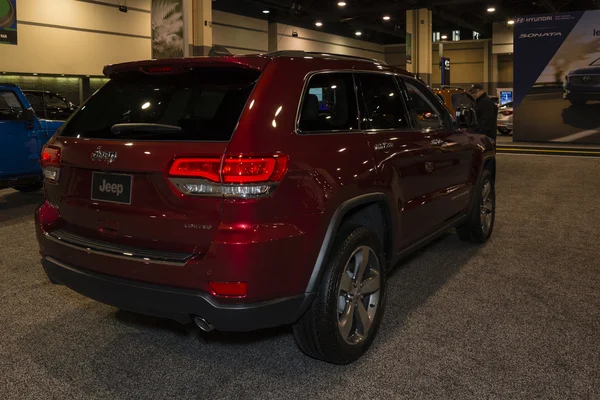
(506, 112)
(238, 176)
(50, 163)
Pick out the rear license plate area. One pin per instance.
(112, 188)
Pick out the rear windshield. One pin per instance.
(201, 105)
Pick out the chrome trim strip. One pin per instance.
(137, 258)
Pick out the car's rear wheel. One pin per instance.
(578, 102)
(480, 222)
(504, 131)
(341, 324)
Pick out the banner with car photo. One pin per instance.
(167, 28)
(557, 78)
(8, 21)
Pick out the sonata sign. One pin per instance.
(539, 35)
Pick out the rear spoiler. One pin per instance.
(177, 65)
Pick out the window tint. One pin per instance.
(423, 107)
(205, 104)
(462, 100)
(10, 107)
(384, 106)
(55, 101)
(329, 104)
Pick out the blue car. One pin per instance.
(22, 136)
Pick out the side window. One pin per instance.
(36, 100)
(422, 105)
(384, 106)
(461, 100)
(10, 107)
(329, 104)
(55, 101)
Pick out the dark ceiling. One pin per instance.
(367, 15)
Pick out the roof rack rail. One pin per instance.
(302, 53)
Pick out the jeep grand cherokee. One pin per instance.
(245, 192)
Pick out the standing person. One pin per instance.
(487, 112)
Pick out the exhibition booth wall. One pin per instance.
(68, 42)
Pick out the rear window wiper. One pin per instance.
(142, 127)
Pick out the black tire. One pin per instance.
(578, 102)
(32, 187)
(318, 333)
(475, 230)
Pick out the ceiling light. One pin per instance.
(444, 37)
(342, 4)
(491, 9)
(358, 33)
(386, 17)
(266, 11)
(318, 23)
(511, 22)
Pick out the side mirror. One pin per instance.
(466, 117)
(30, 115)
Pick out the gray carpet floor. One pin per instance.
(517, 318)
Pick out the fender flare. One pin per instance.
(332, 229)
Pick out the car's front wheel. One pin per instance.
(480, 222)
(341, 324)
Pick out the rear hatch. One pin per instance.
(116, 150)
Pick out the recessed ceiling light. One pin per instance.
(386, 17)
(444, 37)
(318, 23)
(342, 4)
(491, 9)
(358, 33)
(266, 11)
(511, 22)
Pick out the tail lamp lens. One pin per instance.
(253, 170)
(229, 289)
(228, 176)
(208, 168)
(507, 113)
(50, 163)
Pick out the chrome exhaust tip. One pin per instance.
(203, 324)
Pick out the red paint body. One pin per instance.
(270, 243)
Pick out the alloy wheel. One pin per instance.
(359, 295)
(487, 206)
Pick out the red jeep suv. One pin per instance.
(246, 192)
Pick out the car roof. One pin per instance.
(254, 62)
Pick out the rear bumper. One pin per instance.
(175, 303)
